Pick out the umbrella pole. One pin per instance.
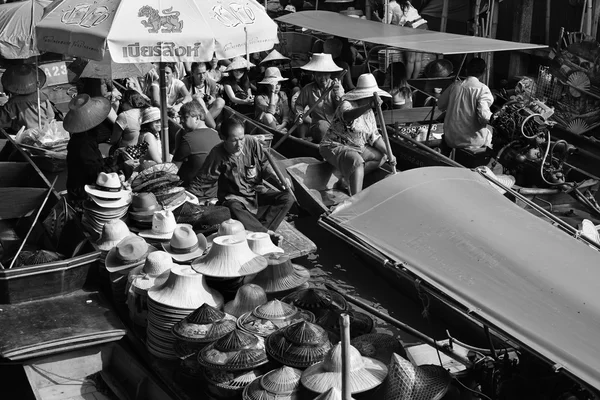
(163, 111)
(37, 85)
(345, 336)
(247, 50)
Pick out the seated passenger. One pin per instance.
(148, 145)
(353, 144)
(202, 87)
(271, 106)
(238, 93)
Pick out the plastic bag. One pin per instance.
(49, 136)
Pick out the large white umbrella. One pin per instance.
(17, 24)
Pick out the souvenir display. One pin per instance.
(206, 324)
(113, 232)
(142, 209)
(236, 351)
(299, 345)
(316, 300)
(248, 297)
(163, 225)
(406, 381)
(281, 275)
(282, 384)
(185, 244)
(229, 257)
(272, 316)
(109, 200)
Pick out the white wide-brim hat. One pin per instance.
(365, 87)
(122, 201)
(229, 257)
(321, 62)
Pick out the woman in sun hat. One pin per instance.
(20, 82)
(237, 88)
(271, 106)
(148, 146)
(352, 144)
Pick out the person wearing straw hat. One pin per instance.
(317, 123)
(334, 47)
(353, 144)
(148, 145)
(271, 105)
(21, 83)
(202, 87)
(274, 59)
(238, 166)
(237, 88)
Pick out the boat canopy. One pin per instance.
(418, 40)
(513, 271)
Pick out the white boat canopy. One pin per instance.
(417, 40)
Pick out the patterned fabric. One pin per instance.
(139, 150)
(356, 134)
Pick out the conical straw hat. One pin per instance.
(365, 373)
(408, 382)
(281, 383)
(23, 79)
(331, 394)
(272, 316)
(185, 289)
(246, 299)
(281, 274)
(274, 56)
(229, 385)
(236, 351)
(229, 257)
(299, 345)
(205, 324)
(321, 62)
(317, 300)
(260, 243)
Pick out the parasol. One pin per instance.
(17, 21)
(108, 69)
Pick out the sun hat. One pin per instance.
(272, 75)
(408, 382)
(185, 245)
(261, 243)
(274, 56)
(163, 225)
(205, 324)
(107, 186)
(156, 264)
(124, 201)
(321, 62)
(86, 112)
(246, 299)
(380, 346)
(229, 257)
(299, 345)
(365, 87)
(317, 300)
(281, 383)
(150, 114)
(237, 350)
(113, 232)
(440, 68)
(272, 316)
(333, 46)
(331, 394)
(143, 205)
(360, 323)
(22, 79)
(280, 274)
(232, 227)
(229, 385)
(238, 63)
(128, 253)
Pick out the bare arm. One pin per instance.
(234, 99)
(153, 148)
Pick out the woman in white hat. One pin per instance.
(271, 105)
(148, 146)
(353, 144)
(237, 88)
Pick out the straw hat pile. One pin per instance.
(182, 293)
(360, 323)
(260, 243)
(229, 227)
(272, 316)
(229, 257)
(230, 384)
(408, 382)
(281, 275)
(281, 383)
(247, 298)
(365, 373)
(162, 181)
(155, 271)
(113, 232)
(142, 209)
(299, 345)
(163, 226)
(185, 244)
(129, 253)
(108, 201)
(379, 346)
(317, 301)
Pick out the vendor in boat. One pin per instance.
(353, 144)
(271, 105)
(238, 166)
(84, 160)
(317, 123)
(20, 83)
(202, 87)
(467, 104)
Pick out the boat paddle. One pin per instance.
(384, 134)
(346, 367)
(280, 176)
(300, 120)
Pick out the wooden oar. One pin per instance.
(384, 134)
(346, 367)
(299, 121)
(33, 223)
(280, 175)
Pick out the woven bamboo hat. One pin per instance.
(113, 232)
(299, 345)
(440, 68)
(272, 76)
(280, 274)
(379, 346)
(316, 300)
(85, 113)
(365, 373)
(229, 257)
(238, 63)
(185, 289)
(425, 382)
(236, 351)
(274, 56)
(360, 323)
(321, 62)
(272, 316)
(331, 394)
(282, 383)
(154, 271)
(128, 253)
(229, 385)
(22, 79)
(365, 87)
(205, 324)
(185, 245)
(261, 243)
(246, 299)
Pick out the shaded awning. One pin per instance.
(511, 269)
(396, 36)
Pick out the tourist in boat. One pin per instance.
(238, 166)
(195, 144)
(399, 87)
(201, 86)
(353, 144)
(236, 87)
(467, 104)
(20, 83)
(271, 106)
(148, 145)
(127, 126)
(317, 123)
(334, 47)
(177, 93)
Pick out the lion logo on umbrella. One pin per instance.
(169, 22)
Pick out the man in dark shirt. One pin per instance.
(194, 145)
(238, 166)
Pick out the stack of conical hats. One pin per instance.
(406, 381)
(182, 293)
(316, 300)
(300, 345)
(272, 316)
(281, 383)
(281, 275)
